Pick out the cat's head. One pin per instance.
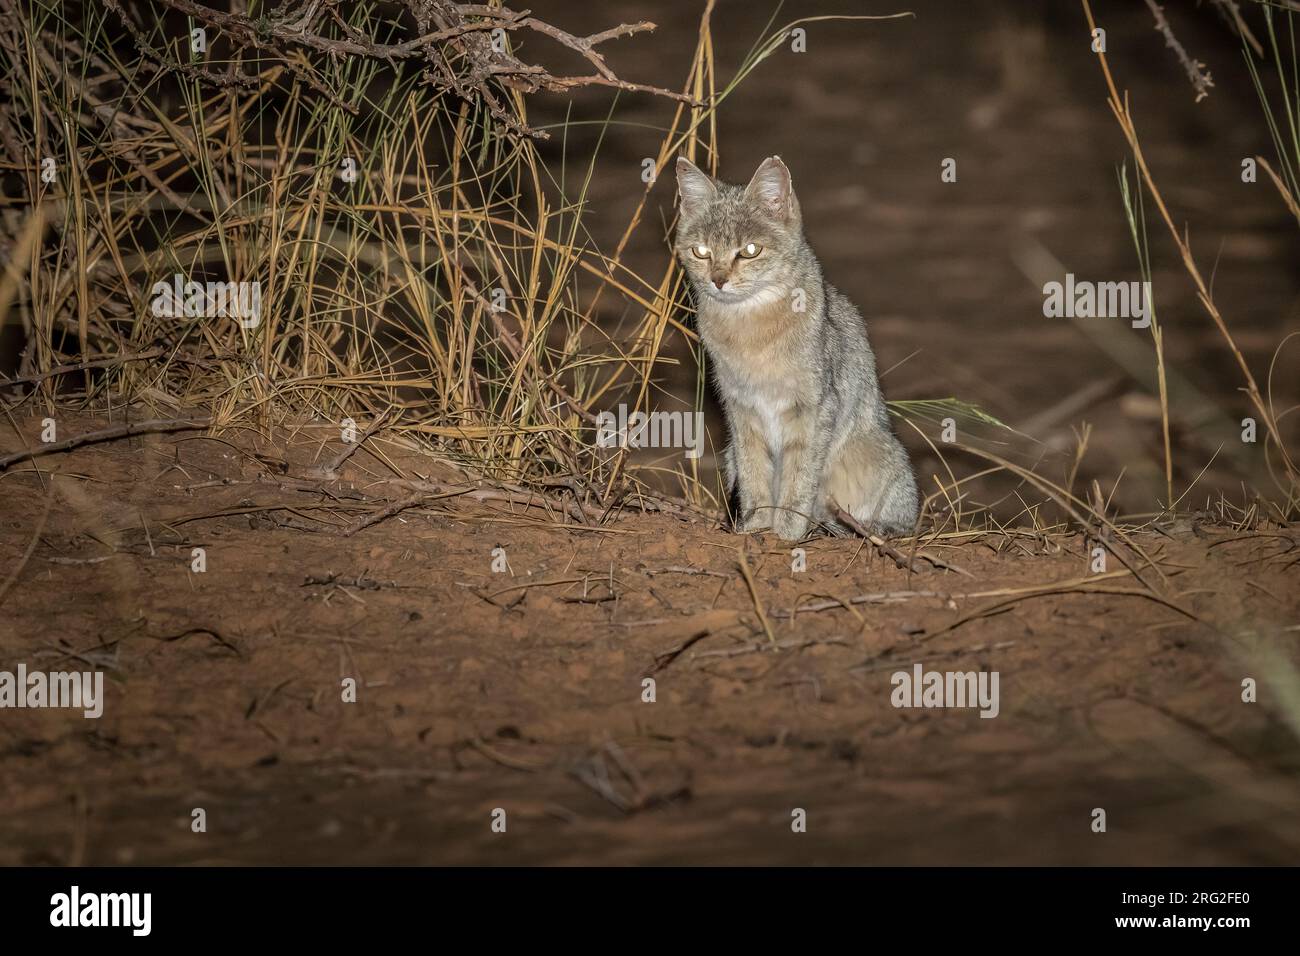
(737, 242)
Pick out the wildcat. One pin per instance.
(791, 361)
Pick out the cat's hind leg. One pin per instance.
(871, 478)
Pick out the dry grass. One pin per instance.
(447, 289)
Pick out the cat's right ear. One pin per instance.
(771, 188)
(695, 188)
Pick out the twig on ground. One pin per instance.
(330, 470)
(997, 607)
(698, 626)
(151, 427)
(888, 549)
(481, 746)
(678, 569)
(898, 597)
(753, 594)
(957, 652)
(410, 501)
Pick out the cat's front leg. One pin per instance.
(752, 460)
(803, 454)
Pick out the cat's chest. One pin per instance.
(761, 364)
(757, 345)
(765, 382)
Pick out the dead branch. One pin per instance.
(151, 427)
(1195, 69)
(461, 44)
(395, 507)
(887, 549)
(101, 362)
(330, 470)
(743, 564)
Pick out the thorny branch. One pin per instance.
(1196, 72)
(462, 46)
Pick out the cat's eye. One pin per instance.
(702, 252)
(750, 250)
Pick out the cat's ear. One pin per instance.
(771, 188)
(695, 187)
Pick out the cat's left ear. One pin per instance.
(771, 188)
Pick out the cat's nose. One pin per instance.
(719, 281)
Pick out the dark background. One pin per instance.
(942, 271)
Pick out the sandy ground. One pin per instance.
(523, 690)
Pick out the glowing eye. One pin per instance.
(702, 252)
(750, 251)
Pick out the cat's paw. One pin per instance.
(757, 519)
(790, 525)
